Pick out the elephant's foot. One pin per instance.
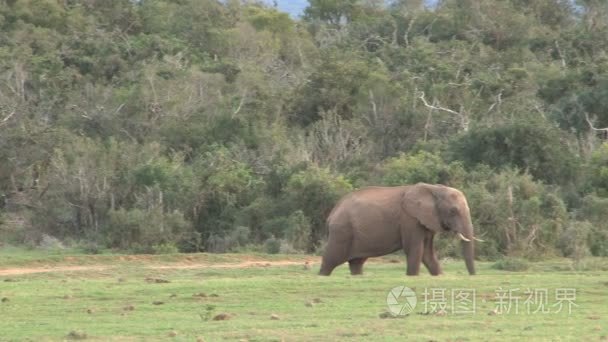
(356, 266)
(326, 269)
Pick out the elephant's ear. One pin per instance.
(420, 201)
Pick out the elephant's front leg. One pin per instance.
(414, 251)
(429, 257)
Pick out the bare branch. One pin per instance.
(372, 100)
(5, 120)
(119, 108)
(435, 107)
(238, 109)
(561, 55)
(464, 121)
(497, 103)
(406, 35)
(604, 130)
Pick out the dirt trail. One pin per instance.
(177, 266)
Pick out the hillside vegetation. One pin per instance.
(201, 125)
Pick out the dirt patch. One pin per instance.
(245, 264)
(176, 266)
(20, 271)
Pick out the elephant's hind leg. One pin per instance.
(356, 266)
(336, 251)
(429, 257)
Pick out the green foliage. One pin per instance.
(574, 239)
(594, 210)
(229, 119)
(421, 167)
(272, 245)
(144, 231)
(515, 215)
(535, 148)
(315, 191)
(597, 171)
(299, 230)
(511, 264)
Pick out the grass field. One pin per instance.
(177, 297)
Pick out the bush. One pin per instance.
(511, 264)
(90, 248)
(299, 231)
(573, 240)
(515, 215)
(421, 167)
(232, 241)
(140, 230)
(591, 264)
(315, 191)
(598, 170)
(165, 248)
(536, 147)
(595, 210)
(272, 245)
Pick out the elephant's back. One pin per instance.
(382, 198)
(377, 195)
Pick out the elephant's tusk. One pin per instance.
(478, 239)
(463, 238)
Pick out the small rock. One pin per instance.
(441, 313)
(528, 328)
(158, 302)
(77, 335)
(4, 299)
(221, 317)
(317, 300)
(200, 339)
(200, 295)
(394, 261)
(173, 295)
(129, 308)
(121, 280)
(172, 333)
(90, 311)
(214, 295)
(385, 315)
(8, 280)
(67, 297)
(157, 280)
(309, 304)
(275, 317)
(307, 266)
(493, 312)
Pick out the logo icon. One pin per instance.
(401, 301)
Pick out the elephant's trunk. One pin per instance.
(468, 249)
(468, 252)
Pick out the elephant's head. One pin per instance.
(443, 209)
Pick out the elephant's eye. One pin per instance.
(453, 211)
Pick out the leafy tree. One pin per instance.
(315, 191)
(535, 148)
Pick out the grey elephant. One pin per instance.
(376, 221)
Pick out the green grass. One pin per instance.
(48, 306)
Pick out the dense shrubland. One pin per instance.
(198, 125)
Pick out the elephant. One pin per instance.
(376, 221)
